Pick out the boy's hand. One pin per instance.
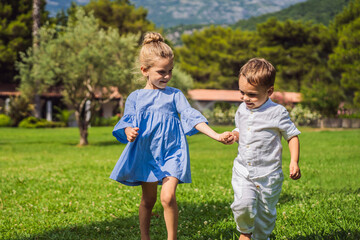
(295, 173)
(131, 133)
(227, 138)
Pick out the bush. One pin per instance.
(5, 121)
(33, 122)
(19, 109)
(101, 121)
(63, 115)
(221, 115)
(303, 116)
(350, 116)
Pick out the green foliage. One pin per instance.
(121, 15)
(63, 115)
(349, 14)
(345, 60)
(101, 121)
(221, 115)
(214, 55)
(19, 108)
(303, 115)
(295, 48)
(84, 60)
(323, 98)
(316, 11)
(33, 122)
(15, 34)
(51, 189)
(5, 120)
(351, 116)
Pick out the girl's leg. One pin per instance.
(168, 201)
(244, 236)
(148, 199)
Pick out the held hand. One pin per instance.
(295, 173)
(131, 133)
(226, 138)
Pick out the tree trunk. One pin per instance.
(36, 22)
(83, 128)
(35, 33)
(83, 137)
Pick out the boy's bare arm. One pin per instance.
(294, 147)
(236, 136)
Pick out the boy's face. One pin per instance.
(253, 96)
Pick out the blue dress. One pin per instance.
(161, 148)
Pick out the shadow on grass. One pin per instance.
(92, 143)
(105, 143)
(207, 220)
(339, 235)
(191, 225)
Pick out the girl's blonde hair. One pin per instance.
(152, 49)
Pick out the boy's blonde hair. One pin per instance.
(153, 48)
(259, 72)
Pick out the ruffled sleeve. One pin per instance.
(128, 120)
(190, 117)
(286, 126)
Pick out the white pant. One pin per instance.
(254, 205)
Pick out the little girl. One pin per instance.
(157, 151)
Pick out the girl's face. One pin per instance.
(253, 96)
(159, 74)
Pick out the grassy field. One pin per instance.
(52, 189)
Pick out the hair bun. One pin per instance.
(152, 37)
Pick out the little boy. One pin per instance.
(257, 173)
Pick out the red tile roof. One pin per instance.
(234, 96)
(11, 90)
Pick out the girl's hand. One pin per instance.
(226, 138)
(295, 173)
(131, 133)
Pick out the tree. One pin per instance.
(15, 33)
(345, 60)
(295, 48)
(119, 14)
(84, 61)
(35, 32)
(321, 92)
(213, 56)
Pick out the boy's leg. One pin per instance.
(244, 205)
(148, 199)
(270, 189)
(168, 201)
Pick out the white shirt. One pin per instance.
(260, 131)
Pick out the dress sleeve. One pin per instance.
(286, 126)
(190, 117)
(128, 120)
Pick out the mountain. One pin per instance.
(317, 11)
(54, 6)
(168, 13)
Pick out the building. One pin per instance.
(206, 98)
(54, 98)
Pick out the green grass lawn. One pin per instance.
(52, 189)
